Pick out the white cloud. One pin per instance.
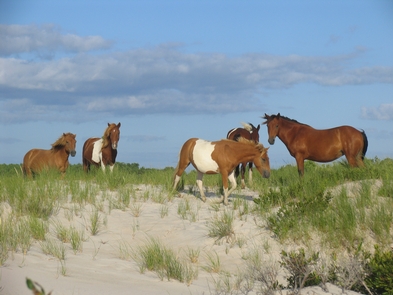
(45, 39)
(382, 112)
(162, 79)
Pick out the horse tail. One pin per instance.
(365, 144)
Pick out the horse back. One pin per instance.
(235, 133)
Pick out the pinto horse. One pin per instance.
(220, 157)
(249, 132)
(102, 151)
(37, 160)
(306, 143)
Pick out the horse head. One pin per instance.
(264, 165)
(272, 123)
(114, 134)
(70, 143)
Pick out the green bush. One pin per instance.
(380, 268)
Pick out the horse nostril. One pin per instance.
(73, 153)
(266, 174)
(271, 141)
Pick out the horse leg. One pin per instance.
(200, 185)
(232, 179)
(243, 172)
(300, 165)
(103, 166)
(111, 167)
(250, 173)
(355, 161)
(86, 165)
(181, 166)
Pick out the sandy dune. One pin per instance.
(100, 269)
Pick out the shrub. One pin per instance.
(380, 272)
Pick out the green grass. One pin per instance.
(155, 256)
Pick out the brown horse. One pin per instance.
(306, 143)
(36, 160)
(221, 157)
(249, 132)
(102, 151)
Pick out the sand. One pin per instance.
(101, 269)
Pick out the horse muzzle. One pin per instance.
(271, 140)
(73, 153)
(266, 174)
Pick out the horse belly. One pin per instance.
(202, 159)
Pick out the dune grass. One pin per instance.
(340, 208)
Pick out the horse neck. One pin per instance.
(106, 142)
(246, 153)
(285, 127)
(60, 150)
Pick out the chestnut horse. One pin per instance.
(248, 132)
(36, 160)
(102, 151)
(306, 143)
(220, 157)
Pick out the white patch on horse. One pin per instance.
(202, 156)
(97, 154)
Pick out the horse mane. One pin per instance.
(107, 132)
(61, 141)
(248, 126)
(269, 118)
(258, 145)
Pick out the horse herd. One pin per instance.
(228, 157)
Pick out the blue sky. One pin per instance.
(171, 70)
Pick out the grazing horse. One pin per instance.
(221, 157)
(306, 143)
(102, 151)
(248, 132)
(36, 160)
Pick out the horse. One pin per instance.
(220, 157)
(249, 132)
(102, 151)
(37, 160)
(306, 143)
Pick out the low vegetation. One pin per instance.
(347, 212)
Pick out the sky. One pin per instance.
(175, 69)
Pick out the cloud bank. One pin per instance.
(162, 79)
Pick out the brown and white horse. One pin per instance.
(249, 132)
(36, 160)
(306, 143)
(102, 151)
(220, 157)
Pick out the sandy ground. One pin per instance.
(100, 269)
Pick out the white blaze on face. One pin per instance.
(202, 155)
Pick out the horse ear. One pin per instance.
(259, 126)
(278, 115)
(109, 124)
(118, 125)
